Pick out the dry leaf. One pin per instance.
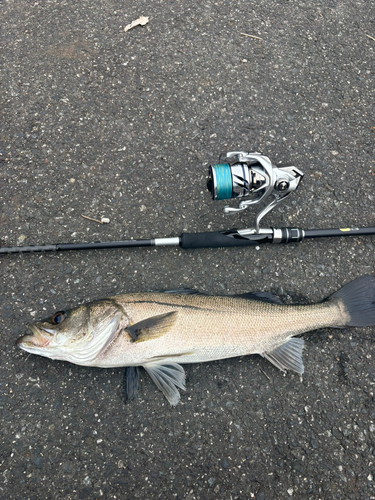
(142, 20)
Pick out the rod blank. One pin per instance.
(214, 239)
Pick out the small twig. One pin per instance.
(372, 38)
(141, 21)
(251, 36)
(94, 220)
(178, 50)
(265, 374)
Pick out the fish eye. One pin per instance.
(58, 317)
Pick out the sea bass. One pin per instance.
(162, 331)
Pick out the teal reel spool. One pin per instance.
(222, 181)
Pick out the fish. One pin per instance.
(162, 331)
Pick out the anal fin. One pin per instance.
(288, 356)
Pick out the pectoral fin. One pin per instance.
(167, 378)
(288, 356)
(152, 328)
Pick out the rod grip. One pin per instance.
(219, 239)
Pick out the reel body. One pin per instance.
(240, 174)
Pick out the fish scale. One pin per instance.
(162, 331)
(211, 328)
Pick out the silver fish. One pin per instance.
(162, 331)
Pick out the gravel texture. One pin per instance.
(122, 125)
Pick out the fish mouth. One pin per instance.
(39, 337)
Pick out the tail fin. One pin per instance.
(358, 297)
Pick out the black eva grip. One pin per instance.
(216, 240)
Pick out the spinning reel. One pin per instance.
(240, 174)
(237, 175)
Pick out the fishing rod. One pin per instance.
(237, 175)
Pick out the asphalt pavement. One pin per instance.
(103, 122)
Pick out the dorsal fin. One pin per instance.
(260, 296)
(184, 291)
